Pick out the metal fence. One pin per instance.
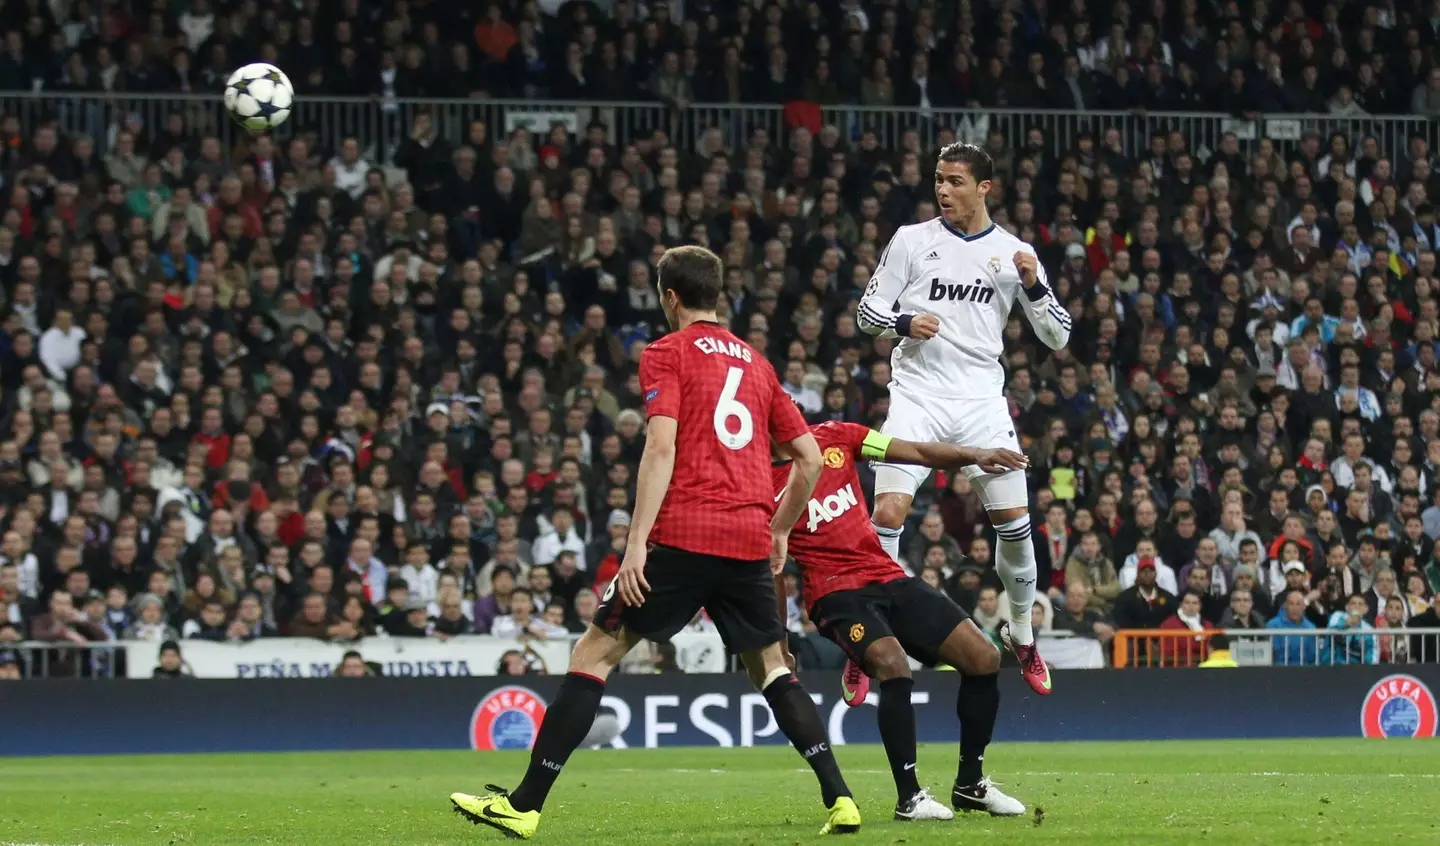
(382, 124)
(1277, 647)
(39, 659)
(1130, 648)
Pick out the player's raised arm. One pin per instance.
(880, 447)
(1046, 314)
(878, 314)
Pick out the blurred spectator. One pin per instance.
(513, 663)
(1219, 656)
(1351, 648)
(497, 602)
(1241, 612)
(452, 620)
(990, 611)
(520, 619)
(278, 374)
(1093, 573)
(413, 622)
(352, 666)
(1185, 652)
(9, 666)
(172, 665)
(1077, 617)
(1294, 650)
(63, 623)
(1145, 604)
(315, 620)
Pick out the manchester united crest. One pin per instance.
(857, 632)
(834, 458)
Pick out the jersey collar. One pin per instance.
(962, 236)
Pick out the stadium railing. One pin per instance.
(694, 651)
(382, 124)
(1276, 647)
(40, 659)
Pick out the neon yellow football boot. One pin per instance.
(844, 817)
(494, 809)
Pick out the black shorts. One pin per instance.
(738, 595)
(912, 612)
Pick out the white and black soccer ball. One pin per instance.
(259, 96)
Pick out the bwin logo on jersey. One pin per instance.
(832, 506)
(960, 292)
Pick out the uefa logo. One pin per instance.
(1398, 706)
(508, 718)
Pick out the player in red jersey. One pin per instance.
(861, 599)
(707, 532)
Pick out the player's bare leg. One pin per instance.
(891, 509)
(886, 660)
(969, 651)
(800, 721)
(567, 722)
(1015, 563)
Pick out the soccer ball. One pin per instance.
(259, 96)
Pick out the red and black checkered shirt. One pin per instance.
(833, 542)
(728, 405)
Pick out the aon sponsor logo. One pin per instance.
(832, 506)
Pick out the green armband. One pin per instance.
(874, 446)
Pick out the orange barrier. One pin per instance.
(1161, 647)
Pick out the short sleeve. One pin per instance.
(786, 421)
(851, 436)
(660, 381)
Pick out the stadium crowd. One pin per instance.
(278, 390)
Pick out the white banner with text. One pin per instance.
(467, 655)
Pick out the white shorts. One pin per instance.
(981, 424)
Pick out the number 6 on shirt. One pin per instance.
(726, 407)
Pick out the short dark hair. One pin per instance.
(982, 167)
(695, 275)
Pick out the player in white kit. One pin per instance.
(945, 288)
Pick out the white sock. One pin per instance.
(890, 540)
(1015, 562)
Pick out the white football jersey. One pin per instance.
(970, 283)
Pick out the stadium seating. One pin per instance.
(374, 376)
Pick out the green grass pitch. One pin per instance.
(1266, 793)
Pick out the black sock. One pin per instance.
(566, 723)
(797, 717)
(976, 706)
(897, 732)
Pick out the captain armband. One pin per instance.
(875, 446)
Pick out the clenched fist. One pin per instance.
(1028, 268)
(924, 326)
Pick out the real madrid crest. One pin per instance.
(993, 264)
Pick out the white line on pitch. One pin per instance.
(1034, 773)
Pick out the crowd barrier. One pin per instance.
(381, 124)
(75, 717)
(1277, 647)
(299, 657)
(695, 652)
